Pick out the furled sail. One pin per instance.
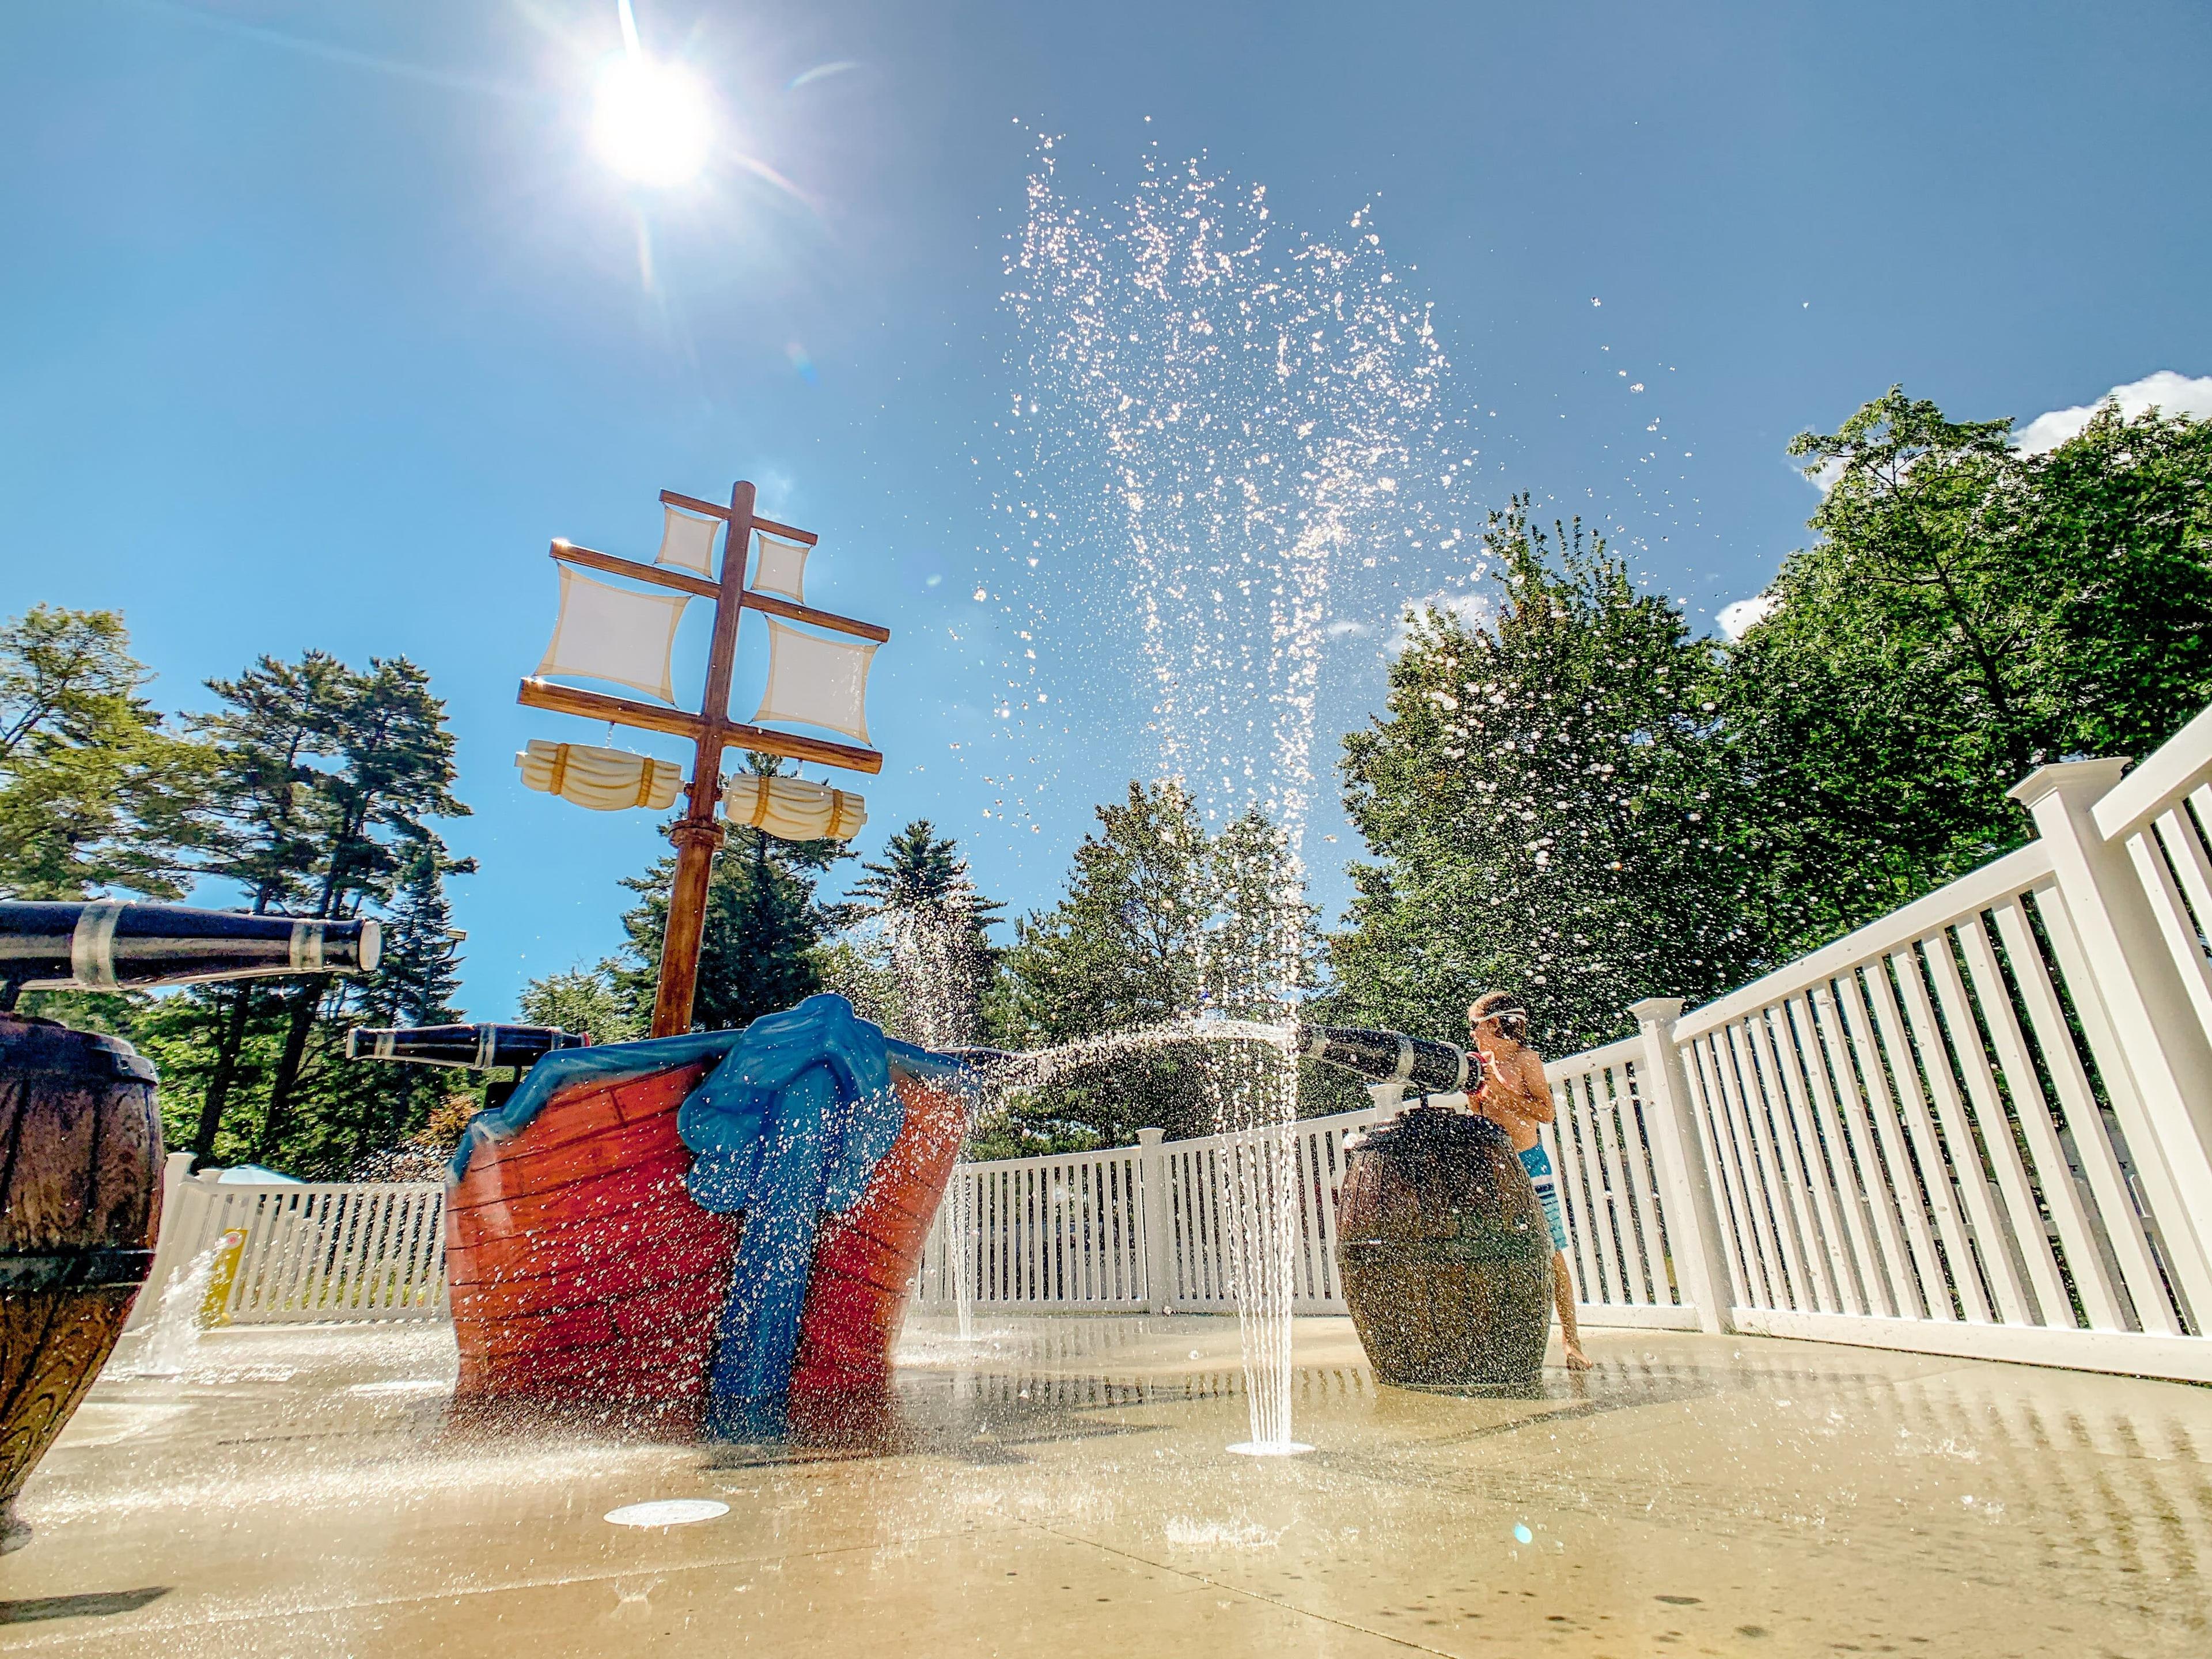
(606, 633)
(792, 809)
(687, 542)
(781, 567)
(815, 681)
(605, 780)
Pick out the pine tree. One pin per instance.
(415, 984)
(395, 771)
(1541, 797)
(919, 911)
(274, 724)
(325, 783)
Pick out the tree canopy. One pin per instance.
(1543, 802)
(1967, 612)
(97, 790)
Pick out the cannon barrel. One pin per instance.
(107, 945)
(465, 1047)
(1424, 1066)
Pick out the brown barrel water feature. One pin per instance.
(80, 1165)
(1443, 1254)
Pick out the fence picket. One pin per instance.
(2021, 1218)
(1743, 1235)
(1771, 1109)
(1854, 1215)
(2086, 1262)
(1968, 1178)
(1899, 1196)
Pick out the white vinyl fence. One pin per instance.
(1981, 1126)
(1135, 1228)
(303, 1254)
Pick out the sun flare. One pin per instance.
(652, 122)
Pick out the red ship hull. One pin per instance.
(585, 1278)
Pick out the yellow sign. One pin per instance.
(215, 1308)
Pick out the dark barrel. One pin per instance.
(1423, 1064)
(1443, 1254)
(471, 1048)
(79, 1167)
(106, 944)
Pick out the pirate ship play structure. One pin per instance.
(715, 1228)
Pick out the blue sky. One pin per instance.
(324, 320)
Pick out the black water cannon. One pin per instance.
(112, 945)
(1421, 1065)
(462, 1048)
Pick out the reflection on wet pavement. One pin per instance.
(1063, 1482)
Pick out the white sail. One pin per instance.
(781, 567)
(605, 780)
(606, 633)
(813, 681)
(792, 809)
(687, 542)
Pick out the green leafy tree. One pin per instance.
(1969, 612)
(96, 792)
(1161, 922)
(1541, 798)
(587, 1000)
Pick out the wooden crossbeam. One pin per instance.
(659, 575)
(806, 613)
(693, 504)
(676, 722)
(683, 582)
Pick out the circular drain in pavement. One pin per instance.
(667, 1512)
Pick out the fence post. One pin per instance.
(2167, 1114)
(1693, 1221)
(1159, 1236)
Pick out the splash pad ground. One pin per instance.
(1065, 1490)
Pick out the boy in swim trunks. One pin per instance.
(1515, 1097)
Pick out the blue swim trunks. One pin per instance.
(1538, 1163)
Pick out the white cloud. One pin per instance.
(1822, 477)
(1740, 617)
(1344, 625)
(1472, 611)
(2176, 394)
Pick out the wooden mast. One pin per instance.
(696, 835)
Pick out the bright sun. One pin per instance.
(652, 122)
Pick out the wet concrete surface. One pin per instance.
(1061, 1487)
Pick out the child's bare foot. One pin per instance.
(1577, 1359)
